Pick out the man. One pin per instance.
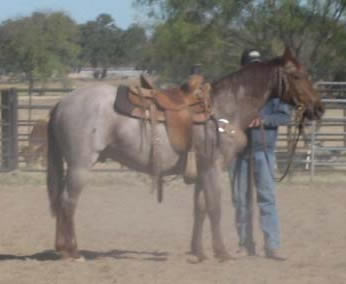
(262, 137)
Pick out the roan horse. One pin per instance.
(84, 126)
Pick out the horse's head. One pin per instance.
(299, 88)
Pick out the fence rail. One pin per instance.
(20, 117)
(324, 146)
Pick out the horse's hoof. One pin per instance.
(80, 259)
(196, 259)
(59, 248)
(199, 257)
(224, 256)
(73, 255)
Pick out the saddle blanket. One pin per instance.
(122, 103)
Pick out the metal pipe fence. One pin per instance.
(34, 106)
(323, 145)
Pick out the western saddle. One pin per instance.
(179, 108)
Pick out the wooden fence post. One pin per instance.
(9, 135)
(344, 116)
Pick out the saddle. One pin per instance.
(178, 108)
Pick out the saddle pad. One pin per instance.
(125, 106)
(122, 103)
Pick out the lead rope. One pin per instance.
(250, 194)
(299, 122)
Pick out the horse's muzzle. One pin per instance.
(315, 113)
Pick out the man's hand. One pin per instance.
(255, 123)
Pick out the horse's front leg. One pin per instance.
(199, 217)
(212, 192)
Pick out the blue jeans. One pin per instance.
(266, 199)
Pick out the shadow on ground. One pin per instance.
(51, 255)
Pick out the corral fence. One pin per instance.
(323, 146)
(20, 111)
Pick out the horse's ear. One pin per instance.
(146, 83)
(289, 60)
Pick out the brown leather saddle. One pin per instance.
(178, 108)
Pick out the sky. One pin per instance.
(122, 11)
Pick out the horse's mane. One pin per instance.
(256, 73)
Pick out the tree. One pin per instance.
(134, 43)
(215, 32)
(39, 46)
(315, 30)
(190, 32)
(101, 43)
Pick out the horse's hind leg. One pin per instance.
(65, 230)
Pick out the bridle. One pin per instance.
(285, 85)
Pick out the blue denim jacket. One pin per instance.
(273, 114)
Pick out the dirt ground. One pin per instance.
(127, 237)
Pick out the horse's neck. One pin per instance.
(248, 114)
(248, 107)
(241, 96)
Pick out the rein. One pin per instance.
(299, 122)
(283, 88)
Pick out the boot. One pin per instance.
(274, 254)
(243, 251)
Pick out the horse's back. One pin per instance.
(85, 100)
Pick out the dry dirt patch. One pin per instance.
(127, 237)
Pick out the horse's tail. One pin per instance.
(55, 165)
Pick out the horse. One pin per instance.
(83, 127)
(36, 150)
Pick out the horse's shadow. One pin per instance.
(51, 255)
